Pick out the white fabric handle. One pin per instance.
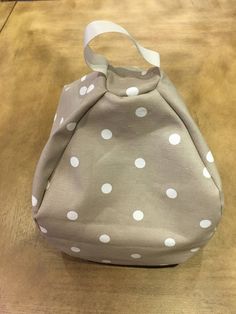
(98, 62)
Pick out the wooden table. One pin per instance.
(40, 51)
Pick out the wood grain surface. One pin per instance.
(5, 11)
(40, 51)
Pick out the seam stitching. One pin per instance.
(197, 149)
(62, 153)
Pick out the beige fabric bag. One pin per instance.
(126, 177)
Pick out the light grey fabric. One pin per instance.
(131, 131)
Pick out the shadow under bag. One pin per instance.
(125, 177)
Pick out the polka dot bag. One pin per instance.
(125, 177)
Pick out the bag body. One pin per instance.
(125, 177)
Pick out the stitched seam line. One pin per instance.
(62, 153)
(180, 117)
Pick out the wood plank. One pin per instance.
(41, 50)
(5, 10)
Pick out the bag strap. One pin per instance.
(98, 62)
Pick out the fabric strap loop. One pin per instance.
(98, 62)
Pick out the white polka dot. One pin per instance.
(206, 173)
(75, 249)
(195, 249)
(74, 161)
(141, 112)
(83, 90)
(132, 91)
(90, 88)
(48, 185)
(62, 120)
(169, 242)
(67, 87)
(144, 72)
(106, 188)
(209, 157)
(34, 201)
(140, 163)
(135, 255)
(104, 238)
(205, 223)
(70, 126)
(106, 134)
(72, 215)
(83, 78)
(138, 215)
(171, 193)
(174, 139)
(43, 230)
(106, 261)
(54, 119)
